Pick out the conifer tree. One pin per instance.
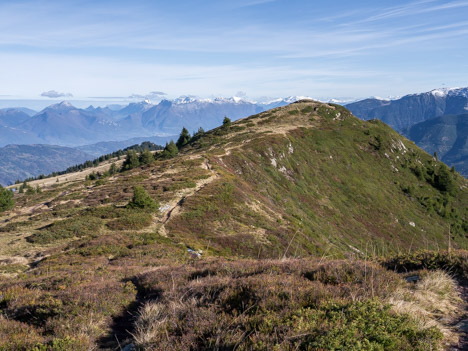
(112, 169)
(199, 133)
(146, 157)
(6, 199)
(184, 138)
(142, 200)
(170, 150)
(132, 160)
(226, 122)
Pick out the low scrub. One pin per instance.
(431, 298)
(69, 228)
(455, 263)
(131, 219)
(277, 305)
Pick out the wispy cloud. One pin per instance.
(248, 3)
(100, 48)
(411, 9)
(55, 94)
(151, 95)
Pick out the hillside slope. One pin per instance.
(446, 135)
(315, 172)
(25, 161)
(300, 181)
(408, 110)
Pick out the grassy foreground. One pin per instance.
(289, 304)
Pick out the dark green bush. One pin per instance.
(455, 263)
(79, 226)
(142, 200)
(359, 326)
(131, 219)
(6, 199)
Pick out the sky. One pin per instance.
(113, 51)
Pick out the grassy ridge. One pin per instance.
(336, 184)
(80, 269)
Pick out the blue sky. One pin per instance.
(342, 49)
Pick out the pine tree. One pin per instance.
(142, 200)
(132, 160)
(170, 150)
(112, 169)
(6, 199)
(226, 122)
(198, 134)
(184, 138)
(146, 157)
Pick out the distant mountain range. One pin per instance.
(47, 137)
(436, 121)
(18, 162)
(446, 135)
(95, 131)
(66, 125)
(404, 112)
(107, 147)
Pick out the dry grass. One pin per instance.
(276, 305)
(431, 302)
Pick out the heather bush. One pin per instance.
(455, 263)
(79, 226)
(276, 305)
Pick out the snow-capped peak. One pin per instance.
(443, 92)
(286, 100)
(64, 105)
(187, 99)
(380, 98)
(439, 92)
(184, 99)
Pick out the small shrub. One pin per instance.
(170, 150)
(78, 226)
(455, 263)
(131, 219)
(443, 180)
(359, 326)
(6, 199)
(142, 200)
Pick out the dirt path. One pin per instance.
(462, 325)
(173, 207)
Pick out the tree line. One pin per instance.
(96, 162)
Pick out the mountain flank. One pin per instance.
(445, 135)
(18, 162)
(66, 125)
(301, 217)
(404, 112)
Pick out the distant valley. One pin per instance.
(445, 135)
(436, 121)
(18, 162)
(66, 125)
(96, 131)
(62, 135)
